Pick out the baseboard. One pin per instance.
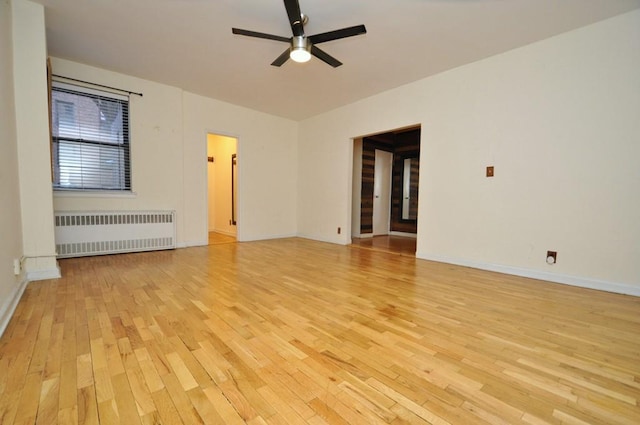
(339, 240)
(404, 234)
(391, 233)
(9, 306)
(190, 244)
(41, 267)
(44, 274)
(265, 237)
(582, 282)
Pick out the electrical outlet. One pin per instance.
(17, 267)
(490, 171)
(552, 257)
(339, 230)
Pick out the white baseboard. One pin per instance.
(391, 233)
(582, 282)
(190, 244)
(404, 234)
(266, 237)
(339, 240)
(44, 274)
(205, 242)
(9, 306)
(41, 268)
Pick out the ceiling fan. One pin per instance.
(301, 46)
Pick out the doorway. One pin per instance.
(222, 188)
(399, 219)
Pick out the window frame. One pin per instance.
(122, 149)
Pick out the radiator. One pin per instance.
(85, 233)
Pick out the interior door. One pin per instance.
(382, 192)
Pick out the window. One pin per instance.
(90, 139)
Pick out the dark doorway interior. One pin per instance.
(405, 145)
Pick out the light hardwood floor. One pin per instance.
(216, 238)
(299, 332)
(401, 245)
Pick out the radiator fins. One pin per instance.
(97, 233)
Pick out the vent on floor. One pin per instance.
(79, 234)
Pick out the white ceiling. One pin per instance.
(189, 44)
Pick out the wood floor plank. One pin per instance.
(293, 331)
(87, 406)
(167, 412)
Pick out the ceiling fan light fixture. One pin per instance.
(300, 49)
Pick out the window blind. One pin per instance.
(90, 139)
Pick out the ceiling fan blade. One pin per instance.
(325, 57)
(260, 35)
(281, 59)
(295, 17)
(334, 35)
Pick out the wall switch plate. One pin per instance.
(17, 267)
(490, 171)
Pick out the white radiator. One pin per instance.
(84, 233)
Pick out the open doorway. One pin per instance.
(222, 188)
(389, 225)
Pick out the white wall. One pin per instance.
(169, 159)
(11, 286)
(32, 131)
(559, 121)
(267, 155)
(156, 146)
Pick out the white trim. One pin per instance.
(80, 193)
(404, 234)
(206, 179)
(364, 236)
(44, 274)
(337, 241)
(267, 237)
(9, 307)
(191, 244)
(41, 267)
(582, 282)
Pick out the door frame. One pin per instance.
(236, 182)
(354, 210)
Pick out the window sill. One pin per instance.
(57, 193)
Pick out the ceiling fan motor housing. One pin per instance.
(300, 42)
(300, 50)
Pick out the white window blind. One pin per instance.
(90, 136)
